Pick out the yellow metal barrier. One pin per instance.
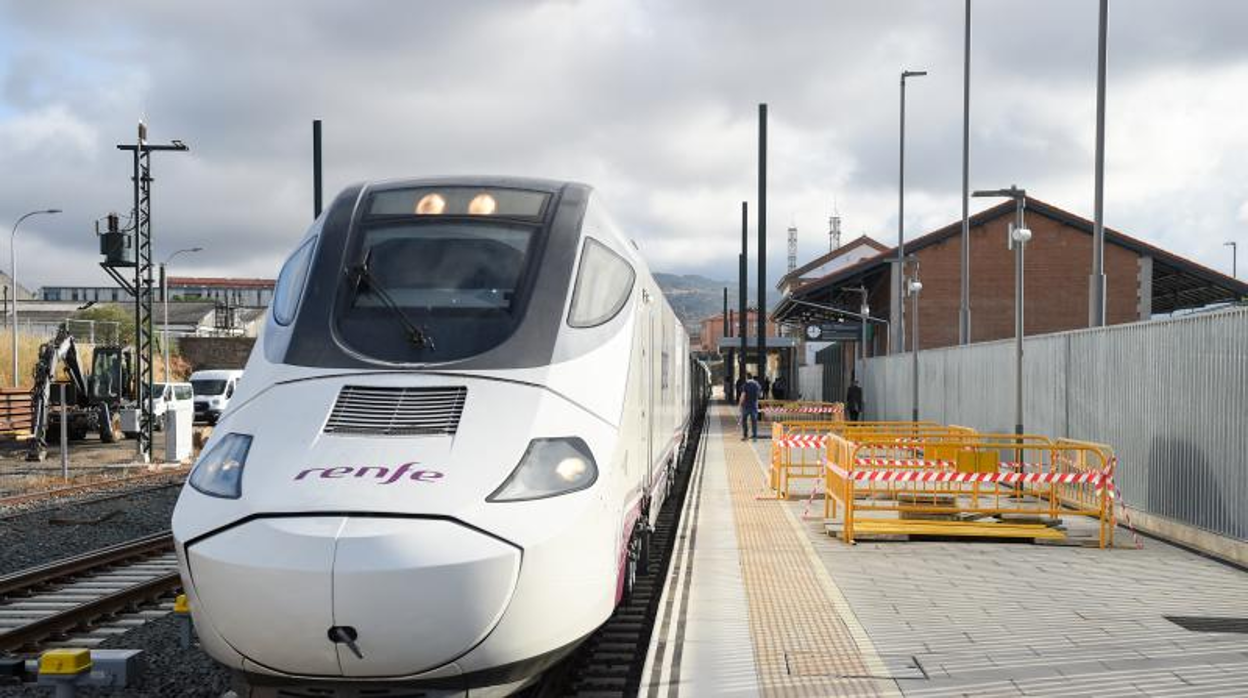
(949, 483)
(801, 410)
(797, 447)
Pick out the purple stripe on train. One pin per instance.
(380, 473)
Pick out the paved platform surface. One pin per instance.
(770, 605)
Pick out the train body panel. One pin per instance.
(465, 515)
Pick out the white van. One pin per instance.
(166, 394)
(213, 390)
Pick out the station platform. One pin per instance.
(761, 601)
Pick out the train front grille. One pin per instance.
(396, 411)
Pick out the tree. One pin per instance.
(106, 314)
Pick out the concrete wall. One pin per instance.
(1169, 396)
(204, 353)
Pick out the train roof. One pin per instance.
(552, 186)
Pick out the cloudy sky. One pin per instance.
(652, 102)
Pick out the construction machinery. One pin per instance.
(92, 401)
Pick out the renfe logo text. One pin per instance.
(381, 474)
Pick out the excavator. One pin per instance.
(93, 402)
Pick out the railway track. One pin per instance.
(77, 597)
(103, 484)
(610, 663)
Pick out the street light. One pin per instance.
(901, 203)
(164, 296)
(1234, 257)
(13, 279)
(1018, 238)
(912, 289)
(865, 310)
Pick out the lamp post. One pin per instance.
(901, 204)
(13, 280)
(164, 297)
(1019, 235)
(865, 311)
(913, 288)
(1234, 257)
(964, 304)
(1096, 283)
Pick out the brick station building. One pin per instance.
(1142, 280)
(713, 329)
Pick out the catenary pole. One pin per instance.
(762, 242)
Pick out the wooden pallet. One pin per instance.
(969, 529)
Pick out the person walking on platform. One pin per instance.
(853, 401)
(748, 400)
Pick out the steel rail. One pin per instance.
(87, 486)
(29, 635)
(36, 578)
(40, 579)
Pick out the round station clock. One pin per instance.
(814, 332)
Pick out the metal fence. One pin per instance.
(810, 382)
(1170, 396)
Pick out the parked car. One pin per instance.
(166, 394)
(213, 390)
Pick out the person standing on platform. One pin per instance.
(748, 400)
(853, 401)
(779, 388)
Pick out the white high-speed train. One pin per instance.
(440, 466)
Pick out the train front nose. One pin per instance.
(414, 593)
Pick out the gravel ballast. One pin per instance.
(53, 532)
(169, 671)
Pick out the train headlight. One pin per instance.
(549, 467)
(219, 472)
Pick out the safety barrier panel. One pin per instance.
(948, 483)
(799, 410)
(797, 447)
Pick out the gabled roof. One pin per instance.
(219, 282)
(1178, 282)
(831, 256)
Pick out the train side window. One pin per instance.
(290, 283)
(604, 280)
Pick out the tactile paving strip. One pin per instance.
(801, 645)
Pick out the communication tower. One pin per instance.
(792, 246)
(834, 230)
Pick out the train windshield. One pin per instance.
(432, 288)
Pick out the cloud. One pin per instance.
(653, 103)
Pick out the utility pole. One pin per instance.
(742, 285)
(142, 289)
(964, 307)
(762, 243)
(316, 168)
(1096, 284)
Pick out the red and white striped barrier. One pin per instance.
(1085, 478)
(802, 440)
(820, 409)
(903, 463)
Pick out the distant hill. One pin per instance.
(695, 297)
